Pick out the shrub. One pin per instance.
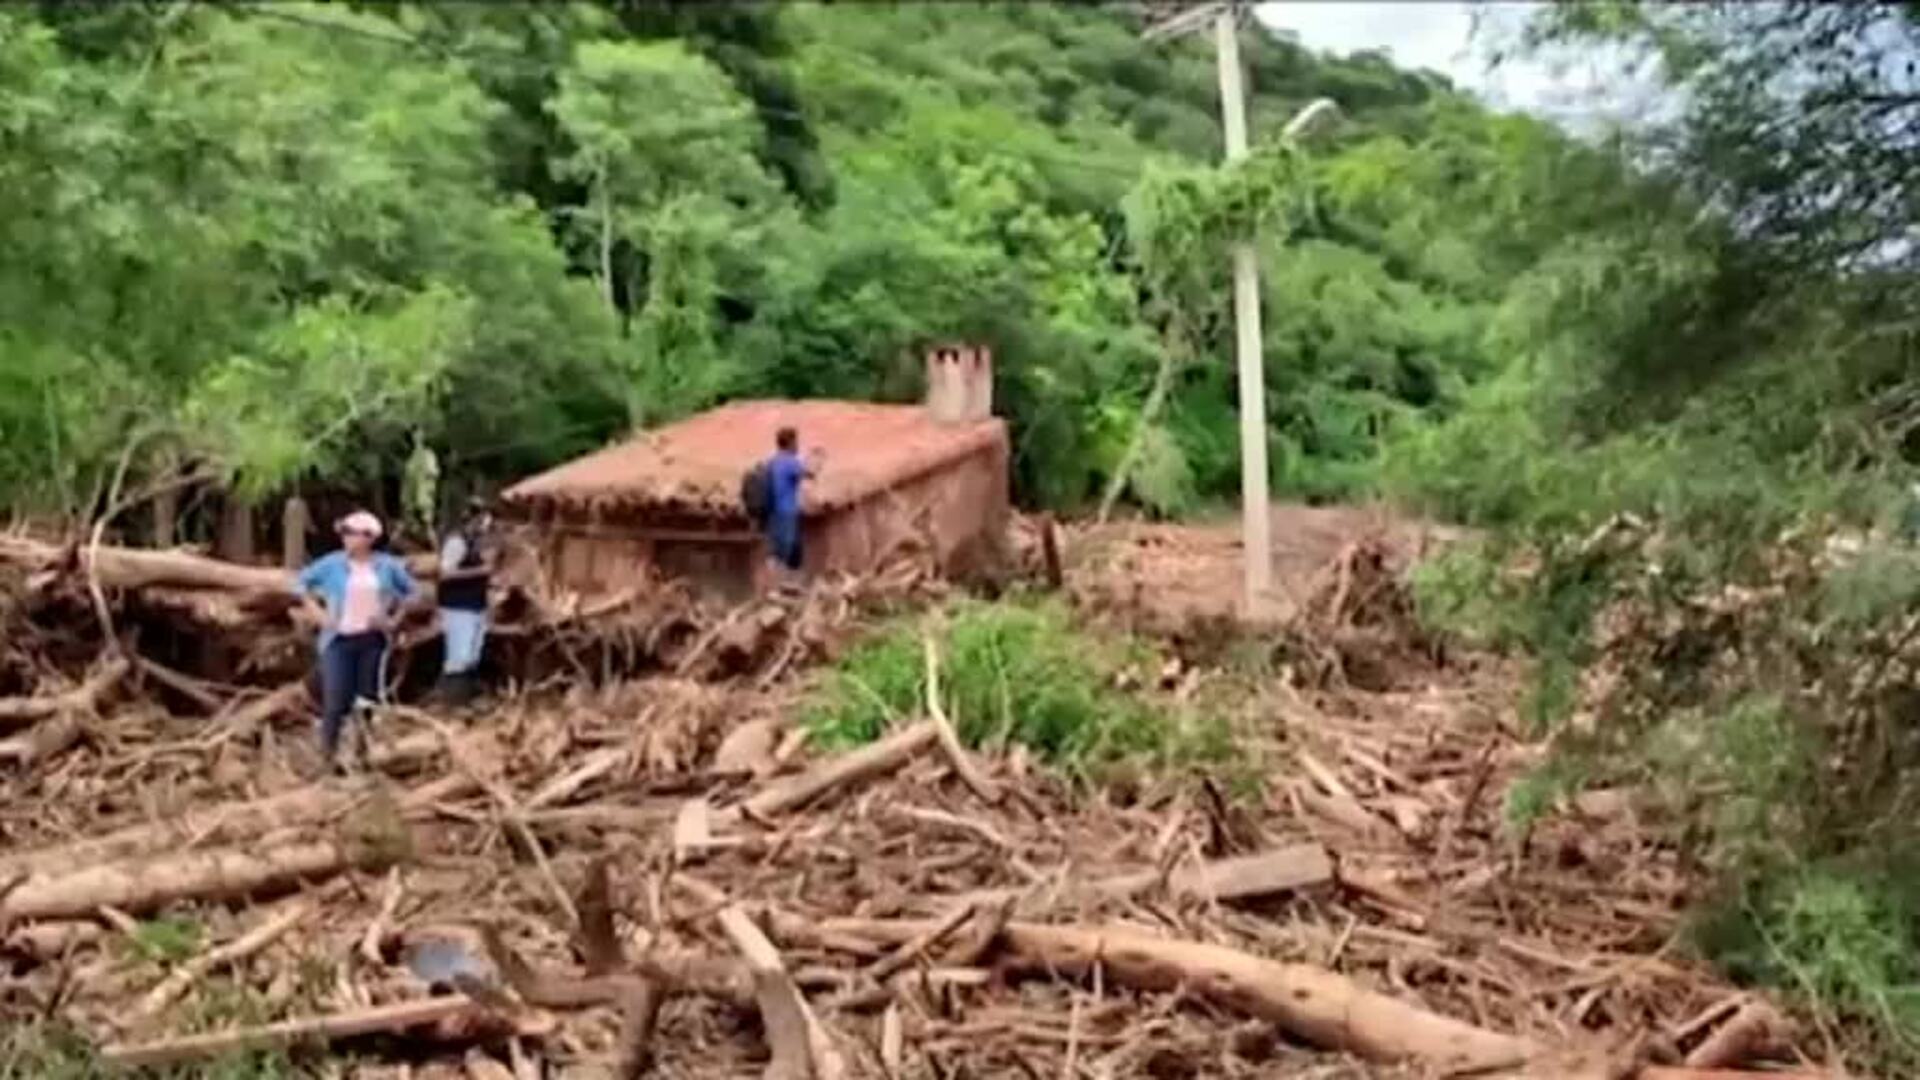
(1839, 935)
(1011, 672)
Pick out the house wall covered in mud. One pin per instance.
(932, 475)
(957, 510)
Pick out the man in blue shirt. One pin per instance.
(786, 472)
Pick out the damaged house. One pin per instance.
(669, 500)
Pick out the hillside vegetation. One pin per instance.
(283, 242)
(1669, 374)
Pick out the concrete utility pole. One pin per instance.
(1256, 504)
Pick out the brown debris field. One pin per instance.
(657, 876)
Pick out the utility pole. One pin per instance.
(1256, 505)
(1256, 512)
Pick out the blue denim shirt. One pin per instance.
(327, 575)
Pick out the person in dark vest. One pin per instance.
(466, 572)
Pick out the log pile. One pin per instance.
(658, 877)
(210, 632)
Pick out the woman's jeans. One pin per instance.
(349, 669)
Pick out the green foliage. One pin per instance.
(282, 241)
(1460, 591)
(1837, 935)
(167, 940)
(51, 1050)
(1759, 759)
(1010, 673)
(1801, 119)
(1532, 796)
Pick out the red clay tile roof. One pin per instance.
(695, 466)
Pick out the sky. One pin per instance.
(1438, 34)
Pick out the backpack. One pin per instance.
(756, 493)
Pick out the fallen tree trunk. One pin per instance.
(1312, 1003)
(801, 1046)
(1241, 877)
(134, 568)
(397, 1017)
(68, 720)
(1749, 1031)
(1669, 1072)
(224, 823)
(869, 761)
(145, 885)
(138, 568)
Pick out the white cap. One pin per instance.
(360, 521)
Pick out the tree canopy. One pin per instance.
(281, 242)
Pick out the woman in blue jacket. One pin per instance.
(353, 596)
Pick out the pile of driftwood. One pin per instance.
(216, 638)
(658, 878)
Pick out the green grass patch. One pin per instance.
(1010, 672)
(167, 940)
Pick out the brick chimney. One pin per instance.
(960, 383)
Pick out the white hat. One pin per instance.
(359, 521)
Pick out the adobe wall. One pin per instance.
(953, 507)
(607, 557)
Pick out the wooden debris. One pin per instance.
(692, 830)
(892, 1042)
(565, 787)
(84, 698)
(982, 930)
(1690, 1073)
(876, 759)
(957, 755)
(481, 1067)
(747, 750)
(144, 885)
(915, 880)
(916, 946)
(1240, 877)
(1751, 1031)
(510, 814)
(134, 568)
(249, 718)
(598, 944)
(792, 1031)
(639, 1013)
(1314, 1004)
(182, 978)
(382, 924)
(385, 1018)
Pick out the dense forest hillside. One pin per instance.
(277, 244)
